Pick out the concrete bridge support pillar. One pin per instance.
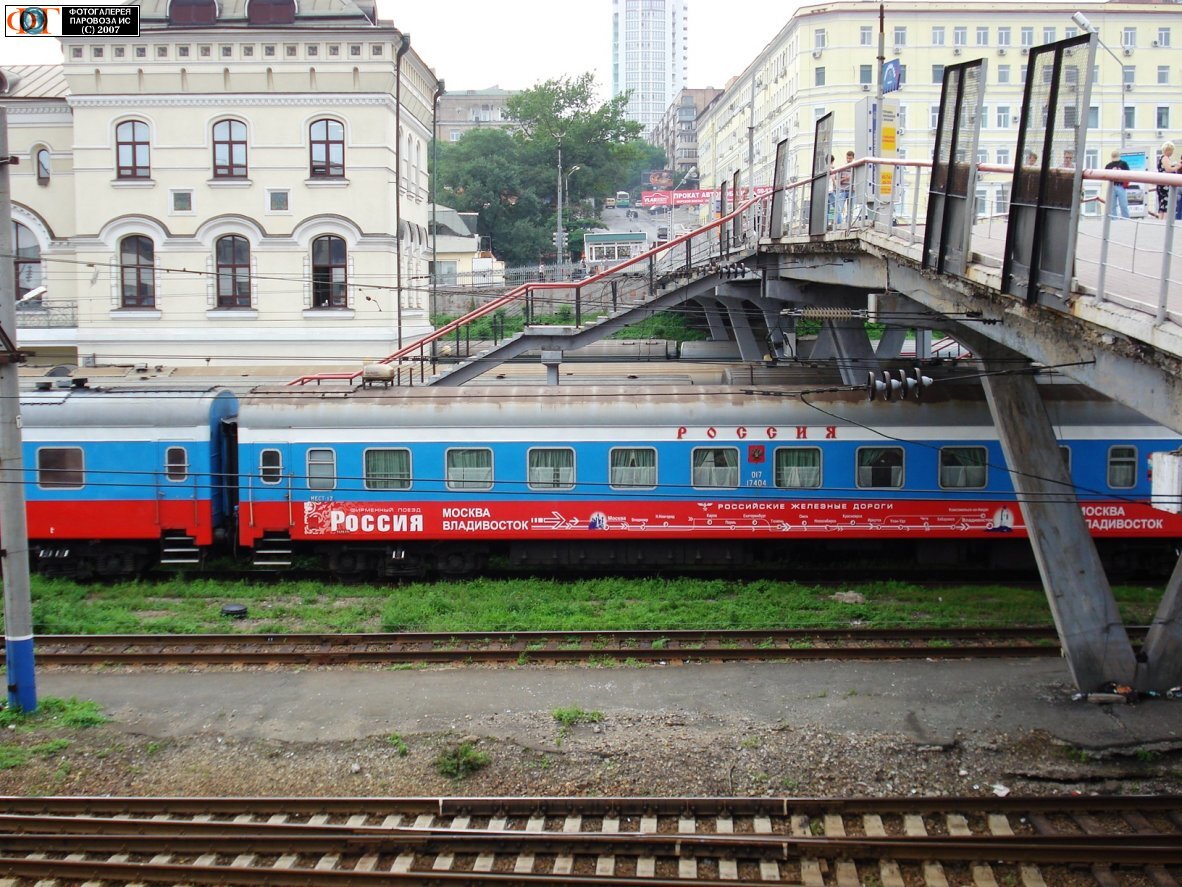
(891, 344)
(1093, 637)
(1162, 668)
(846, 341)
(714, 321)
(750, 348)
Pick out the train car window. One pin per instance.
(634, 467)
(1122, 467)
(60, 467)
(716, 467)
(1065, 452)
(880, 467)
(798, 467)
(551, 469)
(322, 469)
(176, 464)
(469, 469)
(387, 469)
(963, 467)
(270, 466)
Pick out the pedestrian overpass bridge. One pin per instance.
(1113, 323)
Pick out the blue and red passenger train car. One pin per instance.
(383, 483)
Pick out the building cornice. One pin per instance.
(246, 100)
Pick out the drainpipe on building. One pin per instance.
(440, 89)
(402, 48)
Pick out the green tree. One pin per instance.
(511, 179)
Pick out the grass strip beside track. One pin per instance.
(183, 606)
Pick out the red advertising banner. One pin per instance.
(689, 198)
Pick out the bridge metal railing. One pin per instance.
(1136, 263)
(574, 304)
(1133, 263)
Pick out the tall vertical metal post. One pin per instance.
(875, 171)
(558, 238)
(14, 529)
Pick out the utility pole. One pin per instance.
(558, 222)
(878, 103)
(14, 556)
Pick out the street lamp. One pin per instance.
(689, 173)
(1082, 20)
(561, 227)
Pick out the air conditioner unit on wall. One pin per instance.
(865, 87)
(1128, 50)
(1156, 44)
(1128, 87)
(816, 53)
(1025, 50)
(1001, 50)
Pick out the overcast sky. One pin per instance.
(474, 44)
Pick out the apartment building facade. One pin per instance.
(677, 132)
(825, 59)
(468, 109)
(650, 47)
(241, 183)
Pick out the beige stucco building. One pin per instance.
(825, 57)
(464, 110)
(241, 183)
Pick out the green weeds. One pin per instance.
(185, 606)
(461, 761)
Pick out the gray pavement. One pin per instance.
(932, 702)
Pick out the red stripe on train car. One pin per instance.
(120, 519)
(703, 518)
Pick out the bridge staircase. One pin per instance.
(567, 315)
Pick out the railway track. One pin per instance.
(534, 646)
(934, 842)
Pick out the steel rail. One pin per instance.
(590, 806)
(1094, 849)
(326, 649)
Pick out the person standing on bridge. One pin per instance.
(1166, 162)
(1120, 195)
(845, 179)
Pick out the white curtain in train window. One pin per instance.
(633, 467)
(552, 469)
(798, 467)
(962, 467)
(387, 469)
(322, 469)
(716, 467)
(469, 469)
(1122, 467)
(880, 467)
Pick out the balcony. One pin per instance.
(54, 315)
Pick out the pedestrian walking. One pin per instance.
(1120, 190)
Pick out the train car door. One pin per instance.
(176, 473)
(266, 478)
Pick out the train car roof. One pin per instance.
(959, 403)
(126, 407)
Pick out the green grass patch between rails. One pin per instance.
(181, 606)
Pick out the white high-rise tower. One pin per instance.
(650, 39)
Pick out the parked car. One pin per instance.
(1138, 200)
